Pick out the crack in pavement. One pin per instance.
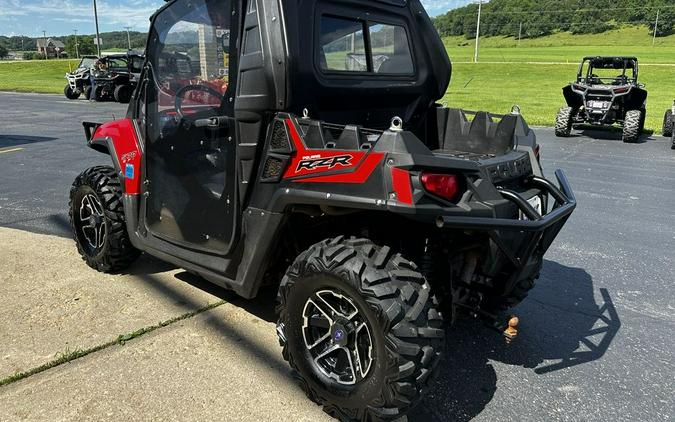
(69, 356)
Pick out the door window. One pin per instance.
(191, 58)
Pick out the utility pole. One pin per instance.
(656, 26)
(480, 6)
(77, 51)
(44, 42)
(520, 33)
(98, 35)
(128, 36)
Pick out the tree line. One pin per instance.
(86, 45)
(537, 18)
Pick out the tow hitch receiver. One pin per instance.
(511, 331)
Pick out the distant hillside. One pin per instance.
(111, 41)
(534, 18)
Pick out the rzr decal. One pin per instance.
(317, 162)
(311, 165)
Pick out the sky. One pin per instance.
(62, 17)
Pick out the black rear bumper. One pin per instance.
(564, 204)
(524, 242)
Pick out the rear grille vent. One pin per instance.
(279, 137)
(273, 170)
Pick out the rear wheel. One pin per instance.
(97, 94)
(70, 94)
(632, 126)
(123, 94)
(359, 325)
(98, 222)
(668, 124)
(563, 122)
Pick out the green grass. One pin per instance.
(566, 48)
(44, 76)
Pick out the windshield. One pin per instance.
(87, 62)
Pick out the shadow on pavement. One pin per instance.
(611, 134)
(16, 140)
(561, 326)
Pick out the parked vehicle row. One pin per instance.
(112, 77)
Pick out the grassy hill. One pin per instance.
(565, 47)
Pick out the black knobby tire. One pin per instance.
(70, 94)
(668, 124)
(97, 94)
(123, 93)
(631, 126)
(402, 315)
(563, 122)
(672, 145)
(115, 252)
(88, 92)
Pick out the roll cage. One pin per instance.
(628, 66)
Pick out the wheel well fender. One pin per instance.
(120, 140)
(573, 99)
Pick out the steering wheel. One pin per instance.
(180, 96)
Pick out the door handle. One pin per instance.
(216, 122)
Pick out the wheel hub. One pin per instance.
(92, 222)
(337, 337)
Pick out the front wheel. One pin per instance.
(359, 325)
(98, 222)
(70, 94)
(563, 122)
(632, 126)
(123, 93)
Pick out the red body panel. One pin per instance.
(127, 149)
(353, 166)
(402, 186)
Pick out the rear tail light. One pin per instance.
(445, 186)
(537, 151)
(621, 90)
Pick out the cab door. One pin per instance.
(189, 190)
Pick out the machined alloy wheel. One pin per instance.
(90, 223)
(337, 337)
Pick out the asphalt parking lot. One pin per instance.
(596, 339)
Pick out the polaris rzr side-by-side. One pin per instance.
(606, 92)
(79, 81)
(116, 76)
(298, 146)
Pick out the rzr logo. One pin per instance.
(329, 163)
